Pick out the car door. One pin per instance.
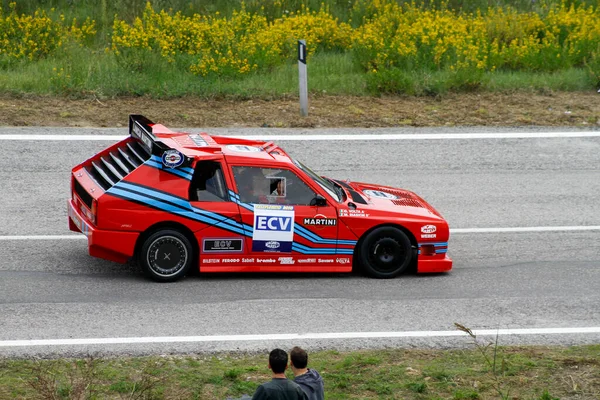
(222, 242)
(283, 229)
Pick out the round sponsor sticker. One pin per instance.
(272, 244)
(428, 229)
(243, 148)
(172, 158)
(380, 194)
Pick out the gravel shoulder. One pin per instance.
(575, 109)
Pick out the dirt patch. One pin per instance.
(486, 109)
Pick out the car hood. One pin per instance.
(389, 199)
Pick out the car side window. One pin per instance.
(208, 182)
(271, 186)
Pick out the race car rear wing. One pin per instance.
(140, 128)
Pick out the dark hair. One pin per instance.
(278, 360)
(299, 357)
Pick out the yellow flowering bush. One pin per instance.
(412, 37)
(34, 36)
(388, 36)
(230, 46)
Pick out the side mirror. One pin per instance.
(318, 201)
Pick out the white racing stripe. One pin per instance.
(341, 137)
(295, 336)
(453, 231)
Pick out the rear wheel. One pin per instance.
(166, 255)
(385, 252)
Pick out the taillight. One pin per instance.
(94, 210)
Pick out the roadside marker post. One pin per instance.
(302, 78)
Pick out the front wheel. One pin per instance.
(385, 252)
(166, 255)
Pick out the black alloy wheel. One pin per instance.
(385, 252)
(166, 255)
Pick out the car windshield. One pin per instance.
(328, 185)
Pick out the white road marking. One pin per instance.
(527, 229)
(453, 231)
(342, 137)
(295, 336)
(43, 237)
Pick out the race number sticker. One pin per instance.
(273, 228)
(225, 245)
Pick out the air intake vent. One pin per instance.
(110, 168)
(83, 195)
(400, 193)
(407, 203)
(356, 197)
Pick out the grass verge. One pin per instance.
(543, 373)
(80, 72)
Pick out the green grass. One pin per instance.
(83, 72)
(421, 83)
(529, 373)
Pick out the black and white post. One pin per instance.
(302, 78)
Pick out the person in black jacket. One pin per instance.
(309, 380)
(279, 388)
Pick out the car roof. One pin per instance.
(203, 145)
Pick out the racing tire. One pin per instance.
(385, 252)
(166, 255)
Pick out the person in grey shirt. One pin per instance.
(309, 380)
(279, 388)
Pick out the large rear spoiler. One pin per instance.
(140, 128)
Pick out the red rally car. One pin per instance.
(175, 201)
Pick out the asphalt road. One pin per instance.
(51, 289)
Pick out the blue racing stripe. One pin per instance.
(156, 162)
(173, 210)
(313, 237)
(180, 202)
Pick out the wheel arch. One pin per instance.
(169, 225)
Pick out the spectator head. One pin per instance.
(299, 357)
(278, 361)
